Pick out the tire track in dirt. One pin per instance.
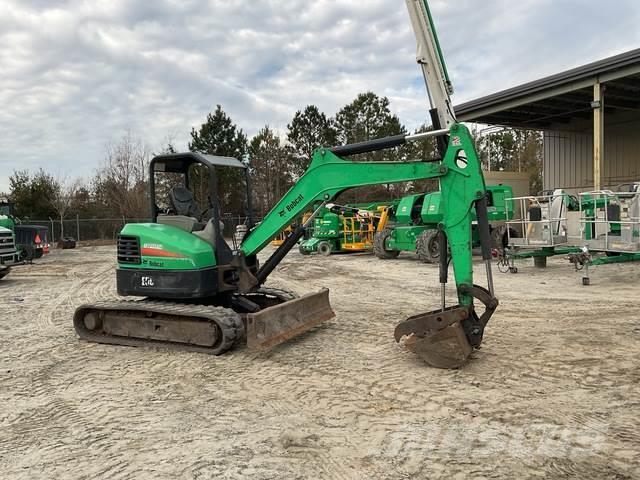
(94, 287)
(343, 401)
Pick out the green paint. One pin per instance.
(417, 213)
(438, 48)
(329, 226)
(404, 238)
(622, 258)
(328, 175)
(195, 253)
(545, 252)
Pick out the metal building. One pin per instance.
(602, 98)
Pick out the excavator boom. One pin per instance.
(443, 338)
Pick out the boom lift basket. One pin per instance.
(541, 221)
(614, 224)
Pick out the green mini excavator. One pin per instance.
(202, 294)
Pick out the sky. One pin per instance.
(78, 74)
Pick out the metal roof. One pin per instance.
(561, 98)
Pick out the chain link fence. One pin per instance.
(107, 229)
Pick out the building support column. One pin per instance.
(598, 134)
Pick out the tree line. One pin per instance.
(119, 188)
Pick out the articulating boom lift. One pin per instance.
(202, 295)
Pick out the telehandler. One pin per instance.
(204, 295)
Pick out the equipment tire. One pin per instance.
(28, 253)
(379, 248)
(427, 246)
(324, 248)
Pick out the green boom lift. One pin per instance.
(345, 228)
(203, 295)
(416, 220)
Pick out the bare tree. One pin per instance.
(122, 182)
(64, 192)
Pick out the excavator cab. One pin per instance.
(175, 182)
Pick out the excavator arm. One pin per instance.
(327, 177)
(445, 337)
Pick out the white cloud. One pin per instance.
(78, 73)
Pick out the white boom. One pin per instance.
(429, 56)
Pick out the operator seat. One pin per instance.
(183, 202)
(186, 214)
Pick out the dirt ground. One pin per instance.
(553, 393)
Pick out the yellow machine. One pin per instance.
(282, 236)
(358, 232)
(346, 228)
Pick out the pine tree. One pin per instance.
(220, 136)
(309, 130)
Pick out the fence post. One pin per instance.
(53, 232)
(77, 227)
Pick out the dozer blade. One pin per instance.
(277, 324)
(438, 337)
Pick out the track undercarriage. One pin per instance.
(263, 318)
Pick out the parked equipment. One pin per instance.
(344, 228)
(8, 250)
(542, 227)
(610, 222)
(66, 243)
(218, 291)
(31, 241)
(594, 228)
(414, 225)
(205, 295)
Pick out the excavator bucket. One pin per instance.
(438, 337)
(277, 324)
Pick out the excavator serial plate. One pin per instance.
(277, 324)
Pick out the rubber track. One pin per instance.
(229, 322)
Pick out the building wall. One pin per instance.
(519, 182)
(568, 155)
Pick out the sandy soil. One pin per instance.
(553, 393)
